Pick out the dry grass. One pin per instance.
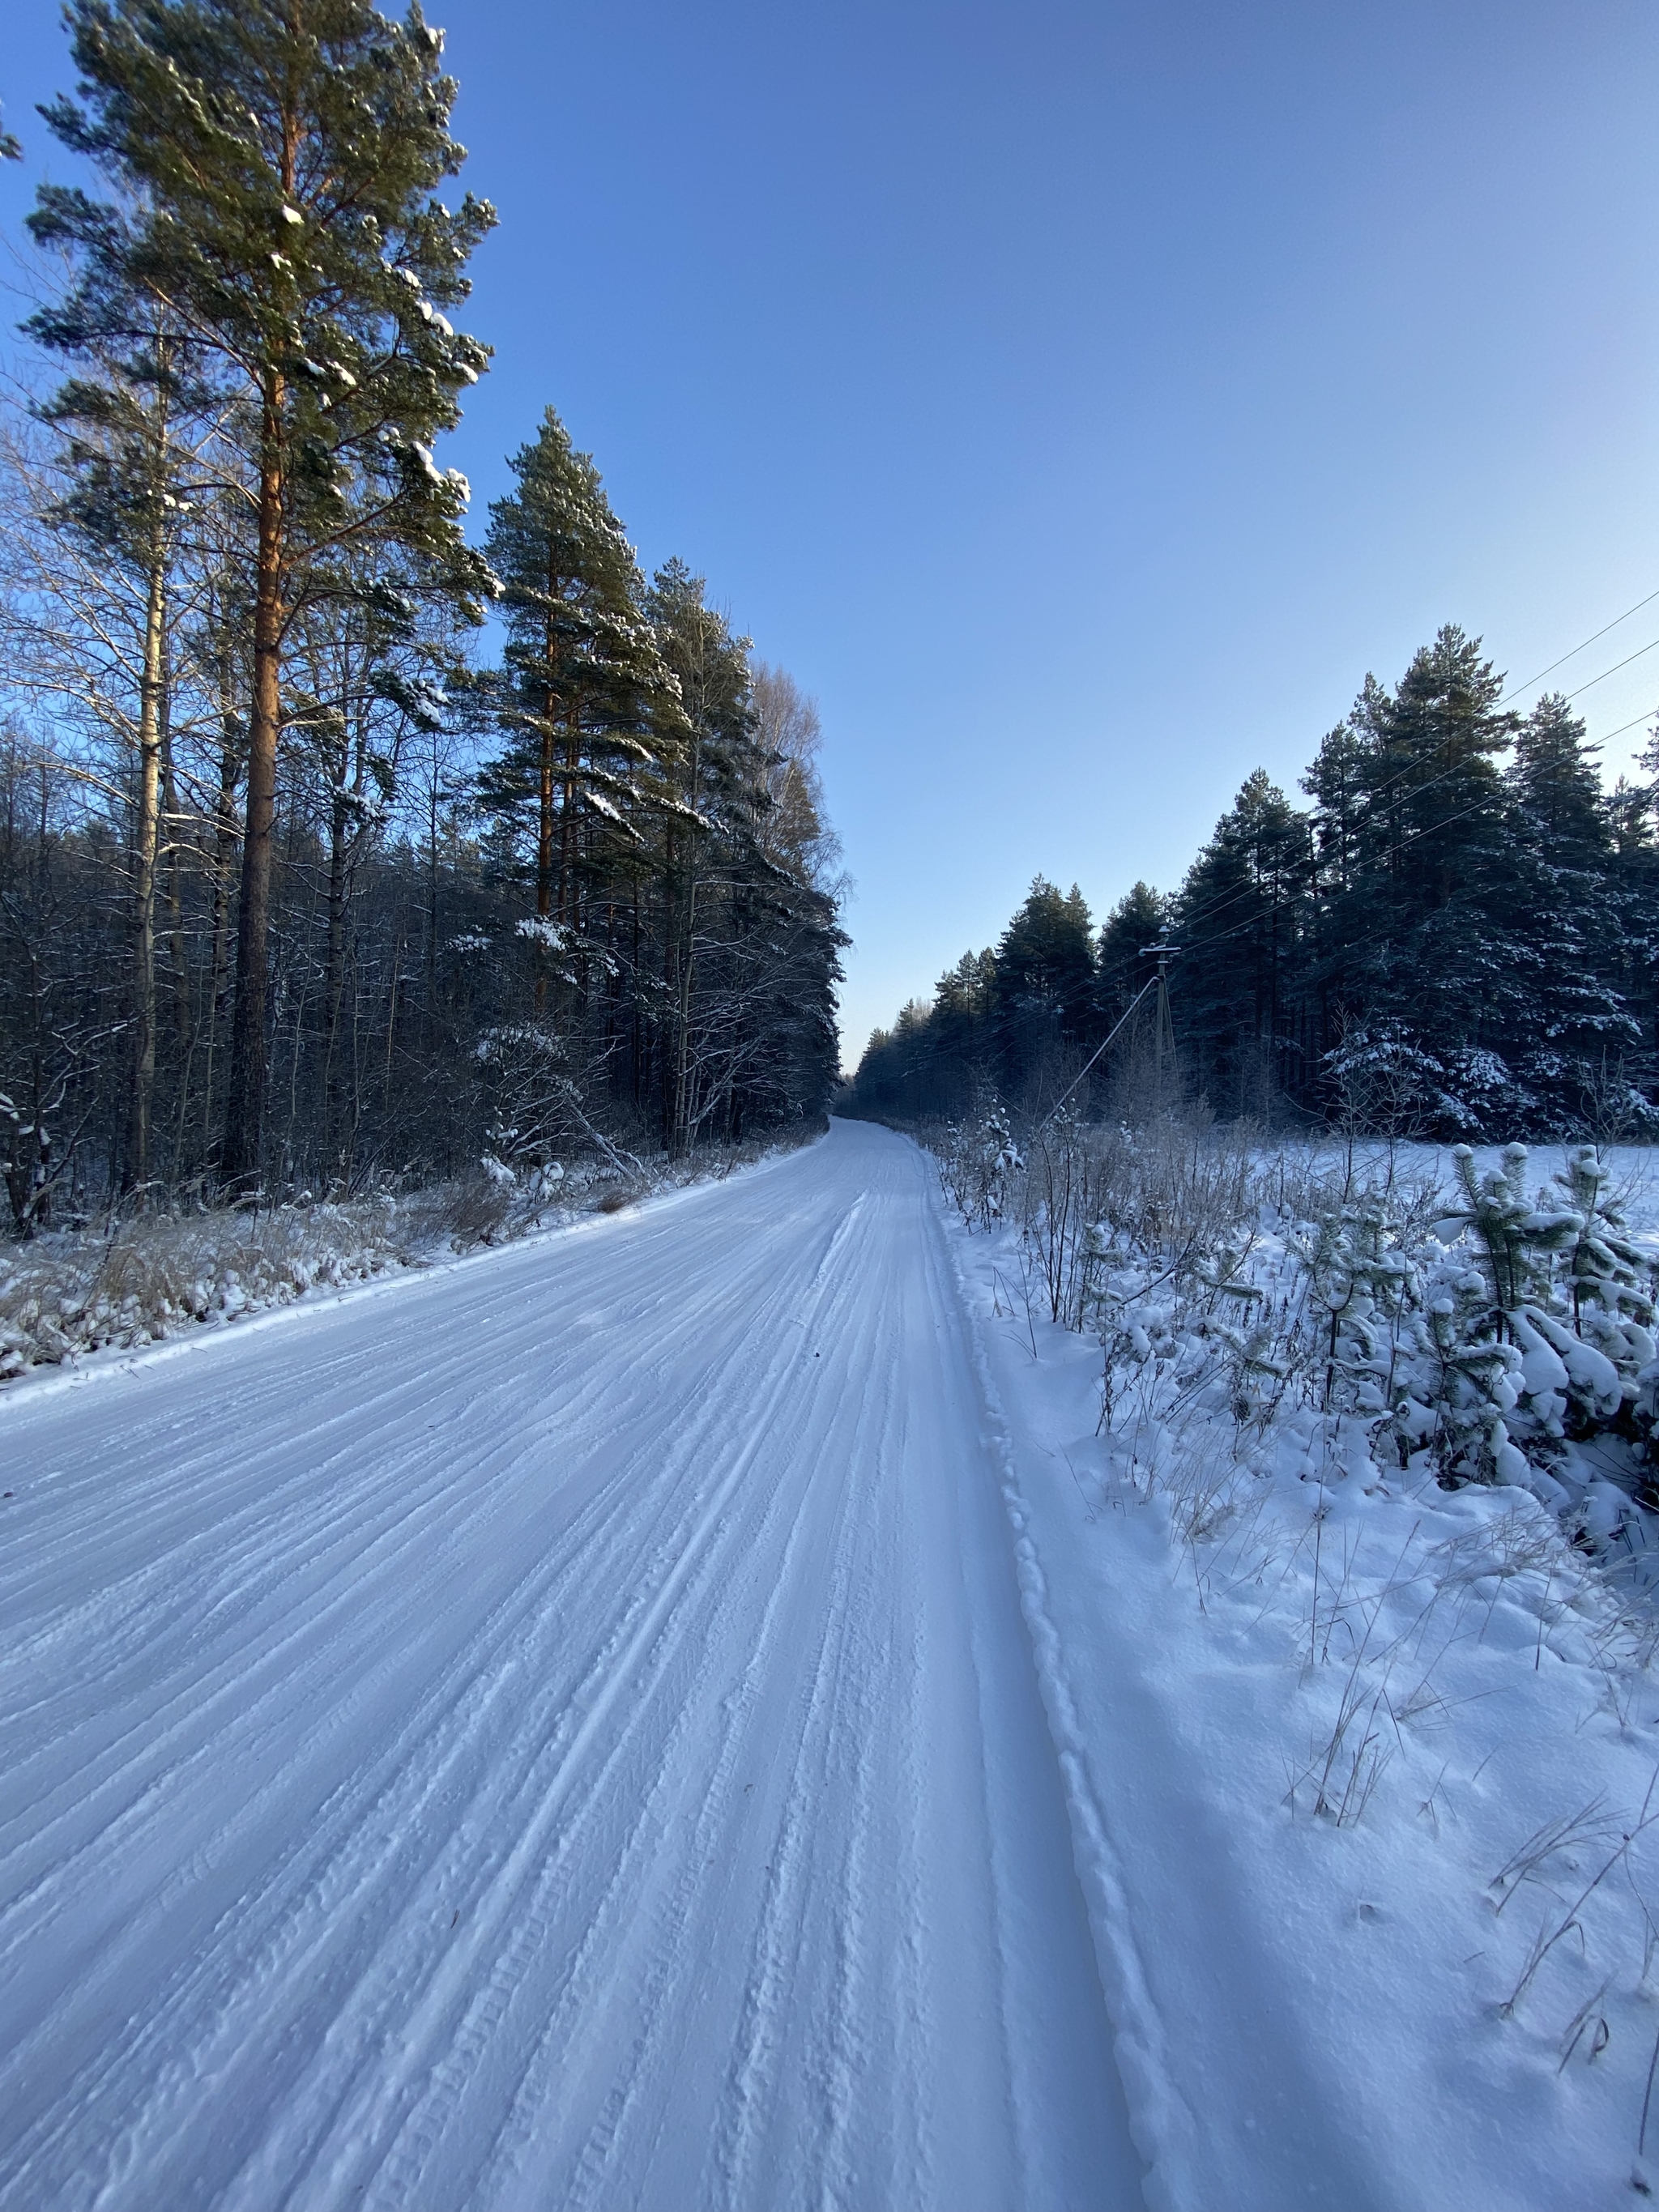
(133, 1281)
(137, 1281)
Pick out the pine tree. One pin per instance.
(713, 791)
(1411, 829)
(1042, 997)
(1563, 923)
(284, 156)
(1241, 918)
(1140, 917)
(582, 681)
(1633, 823)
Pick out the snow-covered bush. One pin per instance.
(150, 1277)
(134, 1281)
(977, 1159)
(1479, 1346)
(1483, 1333)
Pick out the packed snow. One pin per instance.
(559, 1731)
(698, 1710)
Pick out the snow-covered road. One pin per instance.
(558, 1731)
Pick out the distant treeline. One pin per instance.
(309, 870)
(1458, 937)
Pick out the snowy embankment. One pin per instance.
(1362, 1773)
(139, 1279)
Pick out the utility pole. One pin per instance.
(1163, 1049)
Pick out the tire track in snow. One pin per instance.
(378, 2114)
(552, 1748)
(187, 1873)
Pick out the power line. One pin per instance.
(1515, 691)
(1428, 831)
(1220, 906)
(1154, 982)
(1578, 649)
(1623, 727)
(1208, 914)
(1401, 773)
(1613, 671)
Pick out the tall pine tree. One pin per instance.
(1242, 917)
(284, 157)
(1577, 1038)
(582, 682)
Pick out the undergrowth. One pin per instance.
(133, 1279)
(1400, 1414)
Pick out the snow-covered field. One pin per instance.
(691, 1712)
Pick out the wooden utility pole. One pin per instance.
(1163, 1047)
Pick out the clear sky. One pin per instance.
(1077, 399)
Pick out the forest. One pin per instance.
(335, 846)
(1456, 938)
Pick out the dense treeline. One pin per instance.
(331, 845)
(1459, 936)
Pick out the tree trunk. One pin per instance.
(144, 848)
(245, 1107)
(566, 828)
(224, 841)
(335, 982)
(686, 920)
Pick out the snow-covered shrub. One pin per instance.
(1508, 1339)
(1485, 1334)
(977, 1160)
(144, 1279)
(1091, 1197)
(1609, 1277)
(135, 1282)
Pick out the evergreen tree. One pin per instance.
(1433, 844)
(1441, 946)
(713, 801)
(1242, 919)
(284, 157)
(1140, 917)
(1411, 833)
(1042, 993)
(1553, 779)
(959, 1033)
(1563, 922)
(582, 679)
(1632, 815)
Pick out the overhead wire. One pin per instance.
(1651, 715)
(1578, 649)
(1613, 671)
(1371, 937)
(1220, 906)
(1209, 913)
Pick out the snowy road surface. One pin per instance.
(559, 1731)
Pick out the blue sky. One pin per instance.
(1077, 399)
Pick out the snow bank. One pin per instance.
(135, 1282)
(1363, 1780)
